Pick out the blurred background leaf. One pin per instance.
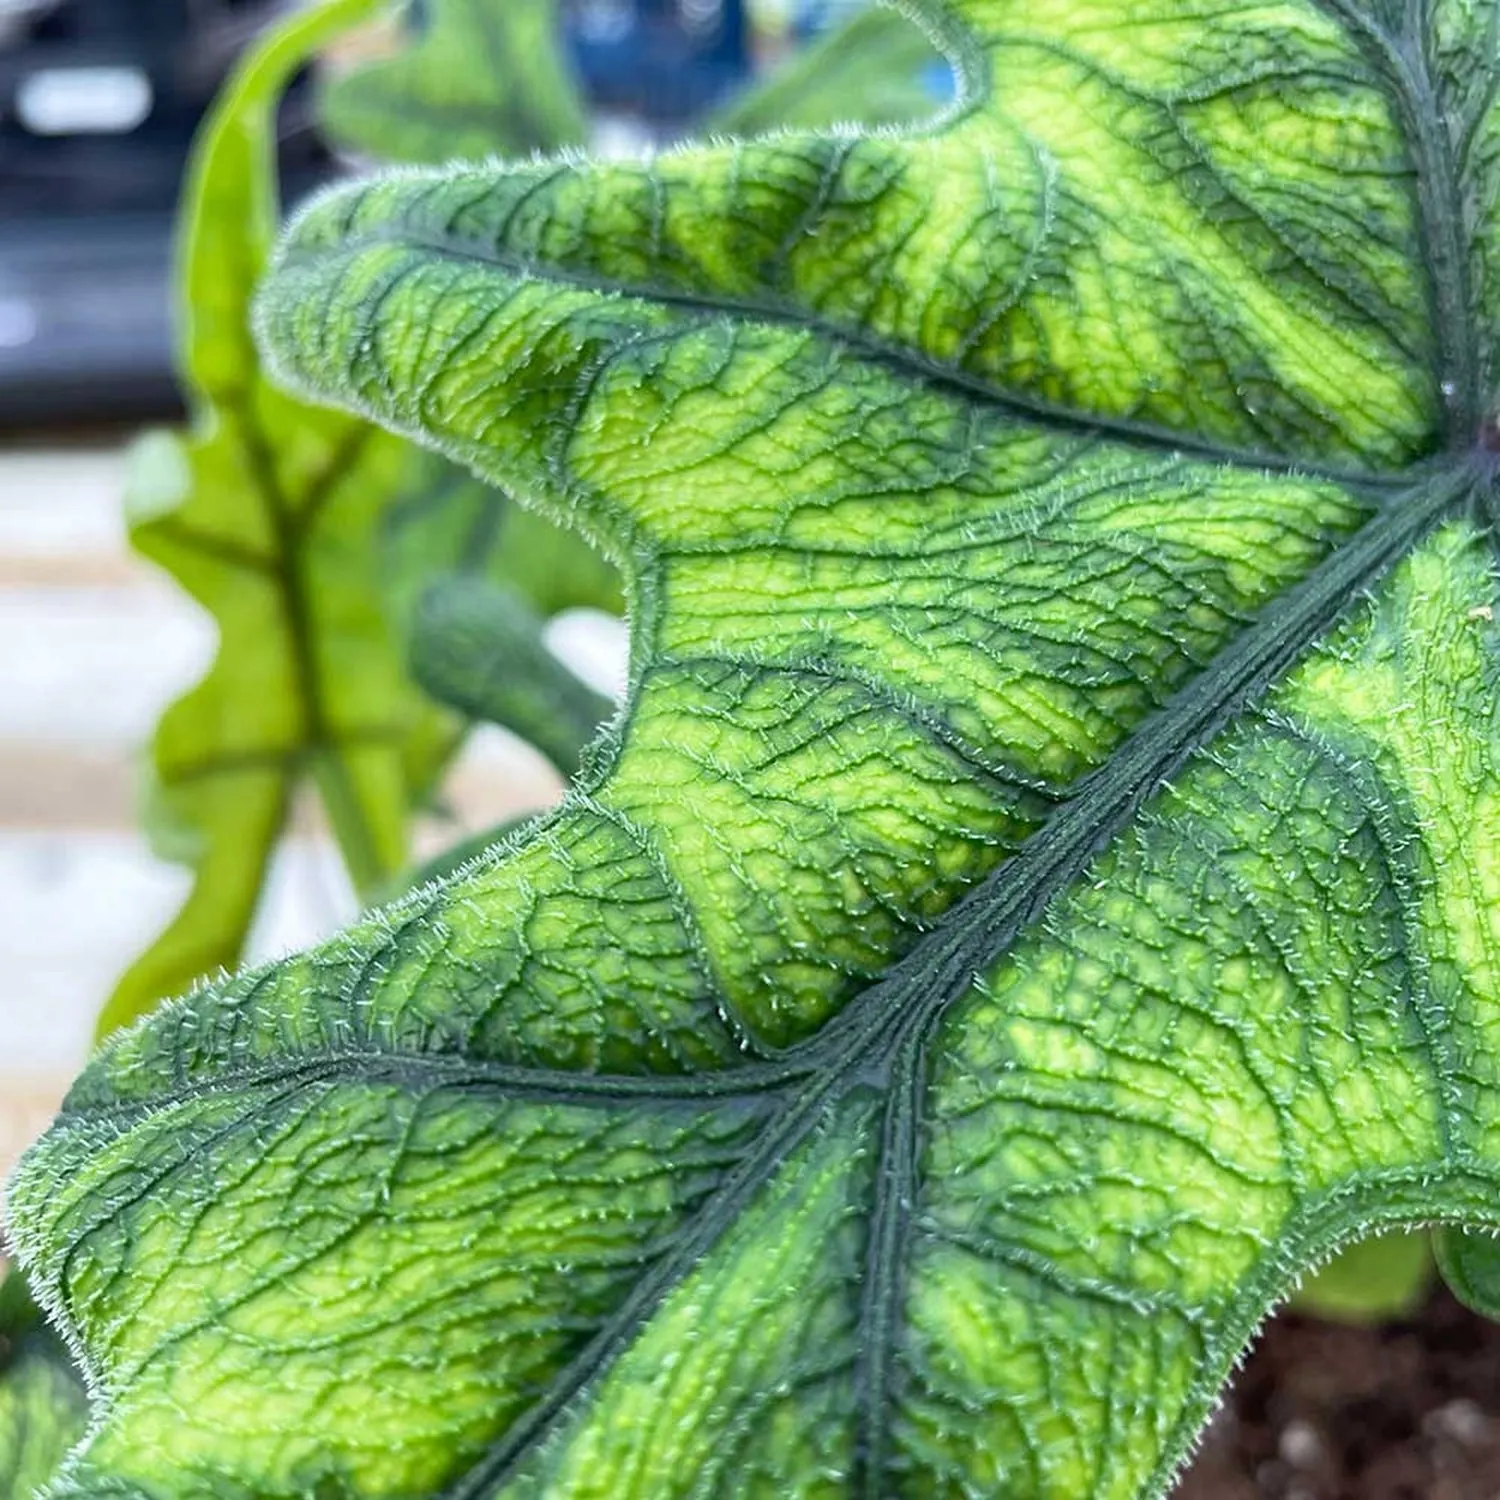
(878, 69)
(268, 512)
(1387, 1276)
(478, 647)
(43, 1406)
(1470, 1265)
(470, 78)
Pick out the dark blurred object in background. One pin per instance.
(98, 103)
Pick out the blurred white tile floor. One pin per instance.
(92, 644)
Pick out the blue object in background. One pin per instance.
(812, 18)
(662, 60)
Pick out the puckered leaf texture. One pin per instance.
(1040, 894)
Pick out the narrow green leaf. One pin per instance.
(477, 78)
(268, 514)
(1038, 898)
(43, 1408)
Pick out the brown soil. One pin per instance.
(1404, 1411)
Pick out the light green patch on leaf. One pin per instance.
(43, 1408)
(1386, 1276)
(1037, 898)
(1142, 1119)
(474, 78)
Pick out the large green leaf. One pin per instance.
(269, 514)
(43, 1410)
(1039, 896)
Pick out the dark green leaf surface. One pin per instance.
(1039, 897)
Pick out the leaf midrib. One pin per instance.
(1086, 819)
(878, 1043)
(292, 527)
(1402, 60)
(1104, 804)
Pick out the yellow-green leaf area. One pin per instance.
(1216, 236)
(328, 1197)
(1238, 1021)
(769, 1311)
